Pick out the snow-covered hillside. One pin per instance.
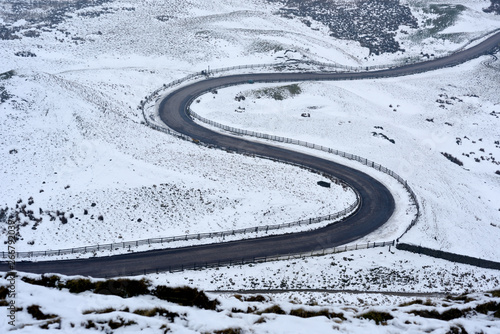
(407, 124)
(75, 148)
(79, 166)
(123, 306)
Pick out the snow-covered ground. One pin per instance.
(377, 269)
(142, 183)
(261, 312)
(449, 111)
(72, 141)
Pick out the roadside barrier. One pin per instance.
(349, 156)
(256, 260)
(338, 216)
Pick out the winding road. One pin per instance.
(377, 203)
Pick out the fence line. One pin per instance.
(340, 67)
(364, 161)
(256, 260)
(128, 244)
(349, 156)
(195, 236)
(353, 207)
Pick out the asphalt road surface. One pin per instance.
(377, 203)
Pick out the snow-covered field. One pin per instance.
(115, 180)
(404, 124)
(74, 143)
(75, 151)
(285, 312)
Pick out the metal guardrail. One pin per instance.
(195, 236)
(256, 260)
(364, 161)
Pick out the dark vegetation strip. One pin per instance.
(190, 297)
(388, 293)
(127, 288)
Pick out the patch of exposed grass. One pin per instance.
(380, 318)
(494, 8)
(273, 309)
(110, 323)
(495, 293)
(265, 46)
(103, 311)
(79, 285)
(124, 288)
(229, 331)
(46, 281)
(4, 95)
(120, 323)
(237, 310)
(185, 296)
(445, 16)
(278, 93)
(157, 311)
(309, 314)
(4, 291)
(36, 313)
(428, 302)
(257, 298)
(457, 330)
(463, 298)
(249, 310)
(89, 324)
(293, 89)
(447, 315)
(452, 158)
(489, 307)
(413, 302)
(261, 320)
(51, 322)
(7, 75)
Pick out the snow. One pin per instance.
(377, 269)
(74, 311)
(129, 171)
(345, 116)
(73, 120)
(470, 23)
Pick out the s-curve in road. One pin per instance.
(376, 202)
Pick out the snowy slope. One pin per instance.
(113, 179)
(77, 100)
(72, 136)
(451, 111)
(316, 312)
